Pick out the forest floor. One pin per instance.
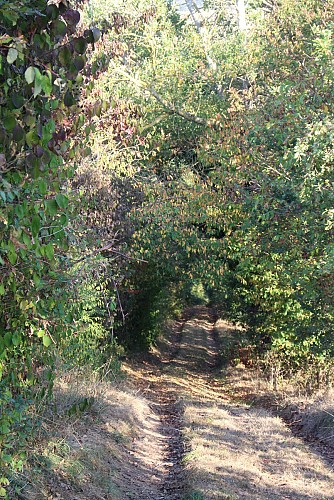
(172, 430)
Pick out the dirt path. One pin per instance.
(199, 445)
(161, 447)
(171, 430)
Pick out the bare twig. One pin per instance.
(108, 248)
(170, 108)
(118, 299)
(173, 110)
(127, 256)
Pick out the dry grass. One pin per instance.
(291, 398)
(88, 454)
(239, 452)
(316, 416)
(115, 446)
(245, 453)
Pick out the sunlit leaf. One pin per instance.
(29, 74)
(12, 55)
(46, 341)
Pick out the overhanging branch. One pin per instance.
(175, 111)
(170, 108)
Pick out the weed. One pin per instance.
(195, 495)
(189, 457)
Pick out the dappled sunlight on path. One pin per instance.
(210, 446)
(236, 451)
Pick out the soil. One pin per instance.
(173, 430)
(207, 446)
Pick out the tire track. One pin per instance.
(213, 447)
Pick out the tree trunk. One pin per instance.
(241, 15)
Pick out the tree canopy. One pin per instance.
(162, 157)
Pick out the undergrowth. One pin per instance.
(302, 396)
(54, 454)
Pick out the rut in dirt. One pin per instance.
(185, 360)
(164, 478)
(208, 445)
(188, 361)
(160, 384)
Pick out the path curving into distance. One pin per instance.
(198, 444)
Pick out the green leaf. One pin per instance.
(2, 492)
(62, 201)
(12, 55)
(2, 289)
(51, 206)
(9, 122)
(29, 75)
(69, 99)
(19, 211)
(12, 257)
(24, 305)
(18, 100)
(46, 85)
(80, 45)
(8, 339)
(46, 341)
(59, 28)
(38, 83)
(63, 220)
(4, 428)
(16, 338)
(65, 56)
(49, 251)
(42, 186)
(79, 62)
(23, 253)
(32, 137)
(18, 133)
(86, 152)
(27, 240)
(54, 104)
(52, 11)
(11, 15)
(35, 225)
(29, 120)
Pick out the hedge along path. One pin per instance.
(213, 448)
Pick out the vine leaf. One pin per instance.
(29, 75)
(12, 55)
(35, 225)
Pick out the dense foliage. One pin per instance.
(235, 137)
(41, 57)
(198, 164)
